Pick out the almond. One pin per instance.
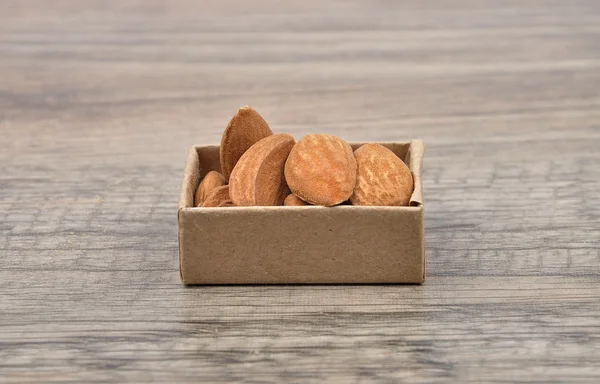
(258, 177)
(212, 180)
(293, 200)
(219, 197)
(245, 128)
(382, 178)
(321, 170)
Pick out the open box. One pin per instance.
(280, 245)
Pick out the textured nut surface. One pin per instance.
(219, 197)
(293, 200)
(321, 170)
(258, 177)
(212, 180)
(382, 178)
(245, 128)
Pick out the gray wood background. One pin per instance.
(99, 102)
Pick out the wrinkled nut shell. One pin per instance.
(212, 180)
(321, 170)
(245, 129)
(382, 178)
(219, 197)
(293, 200)
(258, 178)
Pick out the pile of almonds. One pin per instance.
(260, 168)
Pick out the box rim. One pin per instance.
(304, 208)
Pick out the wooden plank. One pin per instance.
(99, 105)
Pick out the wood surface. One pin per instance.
(100, 101)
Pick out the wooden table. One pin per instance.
(100, 101)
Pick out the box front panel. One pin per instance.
(302, 245)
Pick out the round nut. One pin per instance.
(321, 170)
(293, 200)
(219, 197)
(212, 180)
(244, 130)
(382, 178)
(258, 178)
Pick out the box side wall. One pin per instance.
(302, 245)
(186, 199)
(208, 159)
(414, 160)
(400, 149)
(191, 177)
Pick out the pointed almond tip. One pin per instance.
(246, 109)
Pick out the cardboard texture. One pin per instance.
(297, 245)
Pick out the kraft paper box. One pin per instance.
(280, 245)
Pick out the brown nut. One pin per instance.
(321, 170)
(293, 200)
(258, 177)
(245, 128)
(382, 178)
(219, 197)
(227, 203)
(212, 180)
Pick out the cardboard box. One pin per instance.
(276, 245)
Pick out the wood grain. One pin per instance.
(99, 103)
